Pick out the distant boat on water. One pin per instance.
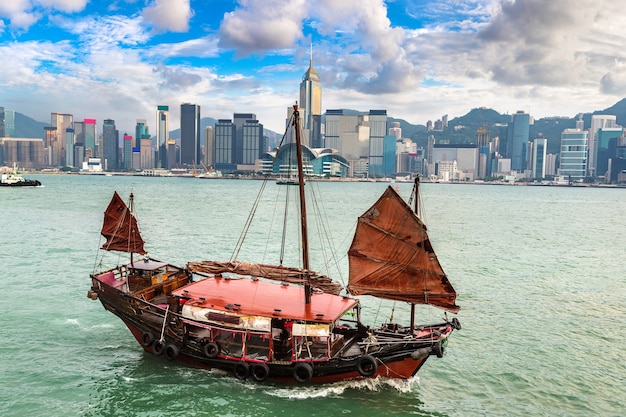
(15, 179)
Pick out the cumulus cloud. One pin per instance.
(169, 15)
(614, 81)
(176, 78)
(22, 14)
(261, 25)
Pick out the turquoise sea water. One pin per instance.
(540, 273)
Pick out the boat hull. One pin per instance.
(163, 332)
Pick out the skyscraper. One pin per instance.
(141, 132)
(128, 152)
(518, 132)
(376, 153)
(598, 121)
(162, 134)
(311, 106)
(224, 153)
(90, 138)
(573, 154)
(56, 141)
(540, 145)
(110, 138)
(190, 134)
(7, 122)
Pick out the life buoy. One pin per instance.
(260, 372)
(242, 370)
(171, 352)
(158, 348)
(211, 350)
(147, 339)
(303, 372)
(367, 365)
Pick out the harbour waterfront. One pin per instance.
(539, 272)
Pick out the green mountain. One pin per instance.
(25, 127)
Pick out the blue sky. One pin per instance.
(418, 59)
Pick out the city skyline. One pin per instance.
(418, 60)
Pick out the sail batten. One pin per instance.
(120, 228)
(391, 257)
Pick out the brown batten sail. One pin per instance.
(273, 272)
(120, 228)
(391, 257)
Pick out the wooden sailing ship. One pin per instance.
(272, 322)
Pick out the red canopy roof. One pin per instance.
(261, 298)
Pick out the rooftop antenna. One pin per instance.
(311, 55)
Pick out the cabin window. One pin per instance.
(258, 346)
(311, 347)
(230, 343)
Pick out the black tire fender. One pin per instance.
(242, 370)
(147, 339)
(303, 372)
(260, 372)
(367, 365)
(438, 349)
(158, 347)
(171, 352)
(211, 350)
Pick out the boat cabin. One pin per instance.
(256, 320)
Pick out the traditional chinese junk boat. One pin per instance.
(232, 316)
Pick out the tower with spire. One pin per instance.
(311, 105)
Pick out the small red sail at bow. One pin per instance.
(120, 228)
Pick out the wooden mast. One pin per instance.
(303, 224)
(416, 209)
(131, 208)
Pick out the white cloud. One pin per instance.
(67, 6)
(169, 15)
(261, 25)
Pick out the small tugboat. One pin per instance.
(279, 323)
(14, 179)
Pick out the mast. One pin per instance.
(416, 188)
(131, 208)
(303, 225)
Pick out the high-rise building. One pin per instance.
(598, 121)
(69, 147)
(224, 154)
(56, 141)
(128, 152)
(190, 134)
(518, 132)
(162, 134)
(376, 153)
(209, 146)
(311, 107)
(141, 132)
(110, 140)
(607, 140)
(91, 150)
(540, 145)
(573, 156)
(248, 140)
(7, 123)
(484, 153)
(396, 130)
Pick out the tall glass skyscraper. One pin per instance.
(162, 133)
(110, 139)
(518, 133)
(190, 134)
(311, 106)
(573, 154)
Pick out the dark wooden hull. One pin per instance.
(166, 333)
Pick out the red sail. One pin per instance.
(120, 228)
(391, 257)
